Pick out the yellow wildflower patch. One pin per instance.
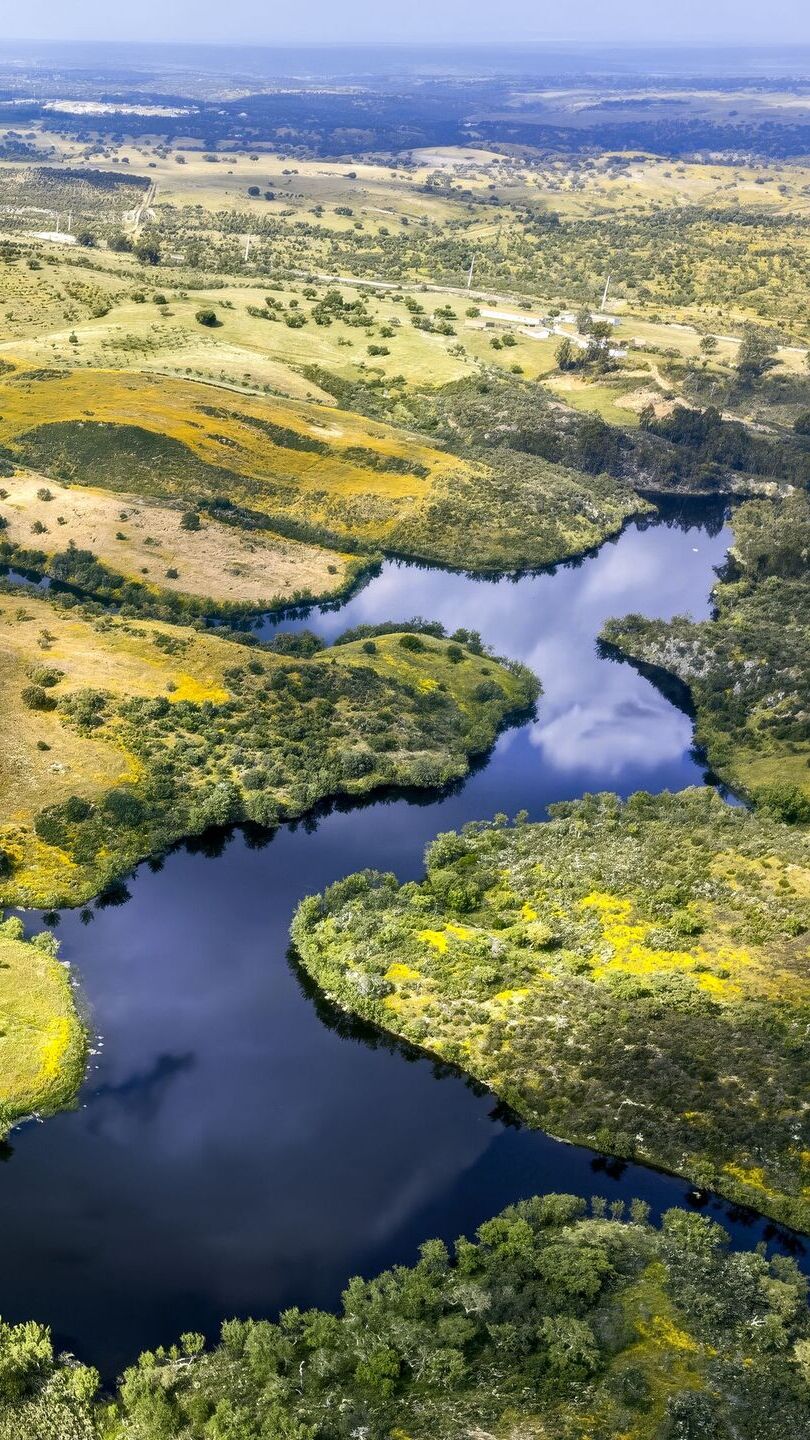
(400, 971)
(662, 1331)
(715, 985)
(55, 1041)
(436, 938)
(753, 1177)
(187, 688)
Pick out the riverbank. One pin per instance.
(42, 1040)
(128, 737)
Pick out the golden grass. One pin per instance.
(122, 659)
(333, 489)
(173, 408)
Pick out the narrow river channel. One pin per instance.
(237, 1149)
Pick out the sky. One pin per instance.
(266, 22)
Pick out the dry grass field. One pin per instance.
(145, 540)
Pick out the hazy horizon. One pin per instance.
(693, 23)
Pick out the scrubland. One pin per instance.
(627, 976)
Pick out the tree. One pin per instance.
(567, 356)
(147, 250)
(207, 317)
(756, 354)
(120, 243)
(708, 344)
(85, 238)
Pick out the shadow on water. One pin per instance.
(239, 1146)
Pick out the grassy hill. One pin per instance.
(308, 472)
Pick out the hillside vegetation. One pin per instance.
(628, 976)
(121, 738)
(549, 1325)
(312, 473)
(748, 669)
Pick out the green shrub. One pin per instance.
(412, 643)
(37, 698)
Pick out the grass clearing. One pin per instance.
(145, 541)
(42, 1041)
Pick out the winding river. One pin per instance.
(238, 1148)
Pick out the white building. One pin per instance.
(506, 318)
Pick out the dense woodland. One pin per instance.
(693, 449)
(549, 1322)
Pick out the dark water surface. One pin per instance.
(235, 1152)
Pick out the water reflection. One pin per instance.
(239, 1148)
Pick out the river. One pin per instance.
(237, 1148)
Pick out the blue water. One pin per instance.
(239, 1148)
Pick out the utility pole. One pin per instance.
(470, 275)
(247, 248)
(604, 297)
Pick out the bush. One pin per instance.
(207, 317)
(787, 802)
(124, 807)
(190, 521)
(487, 690)
(412, 642)
(356, 762)
(75, 809)
(37, 699)
(45, 675)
